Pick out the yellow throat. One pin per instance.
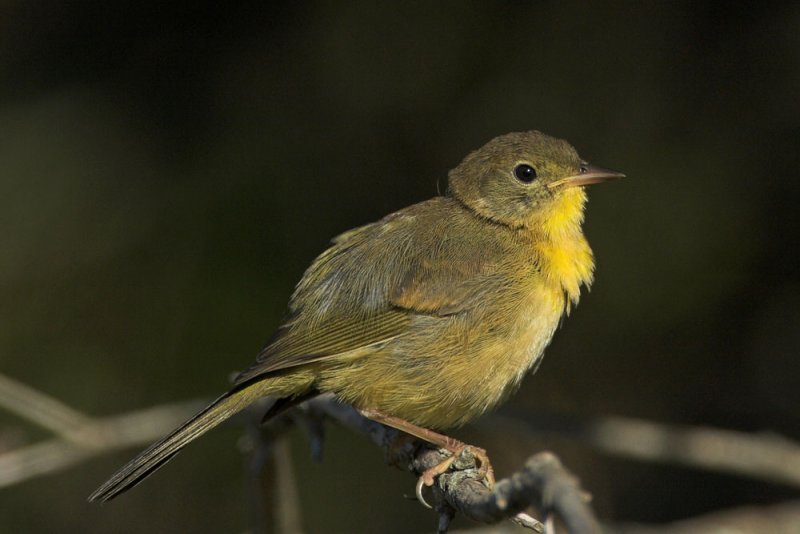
(565, 259)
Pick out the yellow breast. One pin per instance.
(564, 262)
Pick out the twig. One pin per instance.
(275, 503)
(764, 456)
(543, 482)
(118, 432)
(259, 469)
(79, 436)
(288, 515)
(781, 518)
(39, 408)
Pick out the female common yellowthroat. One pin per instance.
(431, 316)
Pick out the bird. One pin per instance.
(431, 316)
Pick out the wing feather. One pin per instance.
(369, 285)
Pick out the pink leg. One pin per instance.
(440, 440)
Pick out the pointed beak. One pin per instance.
(590, 174)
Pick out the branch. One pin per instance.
(40, 409)
(79, 437)
(543, 482)
(781, 518)
(272, 487)
(764, 456)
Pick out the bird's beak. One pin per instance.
(590, 174)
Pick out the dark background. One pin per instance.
(167, 173)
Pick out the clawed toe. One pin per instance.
(428, 477)
(447, 443)
(485, 469)
(418, 490)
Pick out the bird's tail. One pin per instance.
(161, 452)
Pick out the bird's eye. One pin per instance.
(525, 173)
(584, 170)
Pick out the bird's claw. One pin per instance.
(428, 477)
(421, 483)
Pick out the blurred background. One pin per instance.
(167, 172)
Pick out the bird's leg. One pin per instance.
(445, 442)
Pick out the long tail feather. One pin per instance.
(162, 451)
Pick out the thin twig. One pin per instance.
(781, 518)
(97, 436)
(39, 408)
(288, 517)
(765, 456)
(543, 481)
(272, 488)
(762, 456)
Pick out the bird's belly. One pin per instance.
(503, 362)
(453, 369)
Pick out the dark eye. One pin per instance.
(525, 173)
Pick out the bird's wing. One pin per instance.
(365, 290)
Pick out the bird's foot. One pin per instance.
(476, 455)
(468, 455)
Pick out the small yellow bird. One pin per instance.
(431, 316)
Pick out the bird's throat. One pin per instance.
(563, 254)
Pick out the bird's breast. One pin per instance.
(535, 322)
